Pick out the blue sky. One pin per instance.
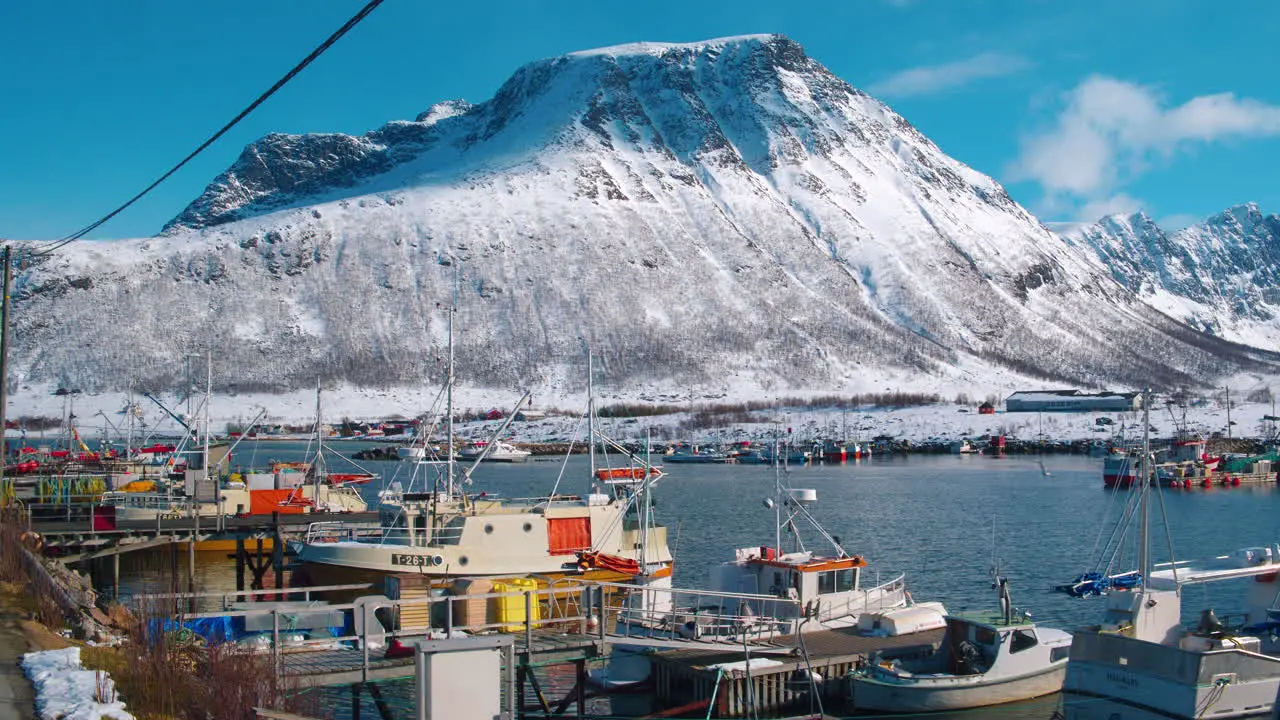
(1079, 108)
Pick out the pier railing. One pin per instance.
(229, 599)
(373, 625)
(368, 637)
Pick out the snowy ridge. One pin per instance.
(1221, 276)
(725, 214)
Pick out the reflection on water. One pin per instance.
(928, 516)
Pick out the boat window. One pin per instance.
(1022, 639)
(1059, 653)
(984, 635)
(846, 579)
(837, 580)
(826, 582)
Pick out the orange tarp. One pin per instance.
(265, 502)
(566, 536)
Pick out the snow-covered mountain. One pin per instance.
(1221, 276)
(717, 214)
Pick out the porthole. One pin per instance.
(437, 560)
(488, 529)
(528, 527)
(462, 560)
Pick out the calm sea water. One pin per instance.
(930, 517)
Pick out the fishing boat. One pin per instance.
(205, 488)
(495, 451)
(696, 455)
(984, 659)
(824, 589)
(436, 528)
(1142, 658)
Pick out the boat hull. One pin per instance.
(1155, 695)
(952, 692)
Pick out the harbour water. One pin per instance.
(928, 516)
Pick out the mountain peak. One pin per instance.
(443, 110)
(659, 49)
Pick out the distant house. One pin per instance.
(528, 415)
(1072, 401)
(494, 414)
(986, 408)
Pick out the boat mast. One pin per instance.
(591, 413)
(453, 308)
(777, 494)
(1144, 542)
(208, 399)
(317, 465)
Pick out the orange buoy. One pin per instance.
(1186, 484)
(1235, 482)
(1206, 482)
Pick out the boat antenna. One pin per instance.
(1144, 544)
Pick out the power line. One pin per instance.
(320, 49)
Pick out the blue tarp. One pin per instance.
(213, 629)
(232, 629)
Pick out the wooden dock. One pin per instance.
(778, 678)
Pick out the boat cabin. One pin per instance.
(983, 642)
(824, 586)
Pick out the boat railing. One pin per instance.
(885, 596)
(677, 614)
(342, 531)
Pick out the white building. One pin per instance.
(1072, 401)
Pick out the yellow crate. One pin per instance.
(510, 609)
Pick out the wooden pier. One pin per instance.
(86, 539)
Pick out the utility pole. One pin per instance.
(4, 362)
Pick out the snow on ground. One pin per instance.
(66, 691)
(944, 421)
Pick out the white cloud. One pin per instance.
(1177, 221)
(1120, 204)
(938, 78)
(1110, 131)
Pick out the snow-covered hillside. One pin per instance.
(1221, 276)
(724, 215)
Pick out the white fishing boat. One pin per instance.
(1144, 661)
(984, 659)
(438, 529)
(496, 451)
(820, 589)
(412, 452)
